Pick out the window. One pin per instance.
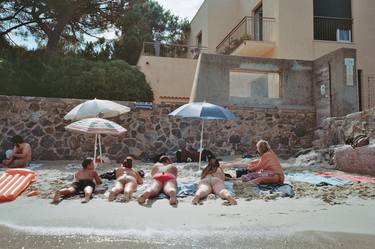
(199, 40)
(247, 84)
(333, 20)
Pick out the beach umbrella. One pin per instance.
(96, 126)
(95, 108)
(204, 111)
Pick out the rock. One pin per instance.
(176, 133)
(37, 131)
(235, 139)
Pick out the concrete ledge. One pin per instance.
(359, 160)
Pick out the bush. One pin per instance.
(33, 74)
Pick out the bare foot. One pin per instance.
(142, 199)
(86, 199)
(127, 196)
(112, 196)
(56, 198)
(231, 201)
(195, 200)
(173, 200)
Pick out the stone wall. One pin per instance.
(334, 131)
(150, 132)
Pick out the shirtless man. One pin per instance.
(21, 155)
(164, 176)
(127, 180)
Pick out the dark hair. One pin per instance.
(164, 159)
(128, 162)
(141, 173)
(86, 162)
(17, 139)
(213, 165)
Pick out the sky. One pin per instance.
(182, 8)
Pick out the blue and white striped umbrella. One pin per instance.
(96, 126)
(204, 111)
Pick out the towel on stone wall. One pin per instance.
(349, 177)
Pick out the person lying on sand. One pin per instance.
(266, 170)
(83, 181)
(127, 180)
(212, 181)
(21, 155)
(164, 176)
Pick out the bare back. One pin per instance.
(160, 168)
(23, 152)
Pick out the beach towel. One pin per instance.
(31, 166)
(285, 190)
(316, 179)
(349, 177)
(184, 189)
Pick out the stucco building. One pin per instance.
(283, 32)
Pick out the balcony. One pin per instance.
(253, 36)
(171, 50)
(333, 29)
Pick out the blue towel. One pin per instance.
(316, 179)
(286, 190)
(186, 189)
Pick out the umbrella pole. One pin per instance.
(201, 146)
(100, 148)
(96, 139)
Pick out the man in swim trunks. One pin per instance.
(83, 182)
(21, 155)
(164, 176)
(127, 180)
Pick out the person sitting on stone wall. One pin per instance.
(266, 170)
(21, 154)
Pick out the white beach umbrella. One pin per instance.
(203, 111)
(92, 109)
(96, 126)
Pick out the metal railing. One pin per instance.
(333, 29)
(171, 50)
(250, 28)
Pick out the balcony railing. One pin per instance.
(333, 29)
(171, 50)
(250, 28)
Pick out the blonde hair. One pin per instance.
(263, 146)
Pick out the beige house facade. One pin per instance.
(279, 29)
(291, 29)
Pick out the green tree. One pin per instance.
(147, 21)
(58, 21)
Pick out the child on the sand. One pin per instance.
(83, 182)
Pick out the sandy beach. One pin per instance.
(317, 217)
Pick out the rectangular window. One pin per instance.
(333, 20)
(254, 84)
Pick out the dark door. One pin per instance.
(258, 23)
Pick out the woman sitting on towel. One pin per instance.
(266, 170)
(212, 181)
(83, 182)
(127, 180)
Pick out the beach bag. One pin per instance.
(358, 141)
